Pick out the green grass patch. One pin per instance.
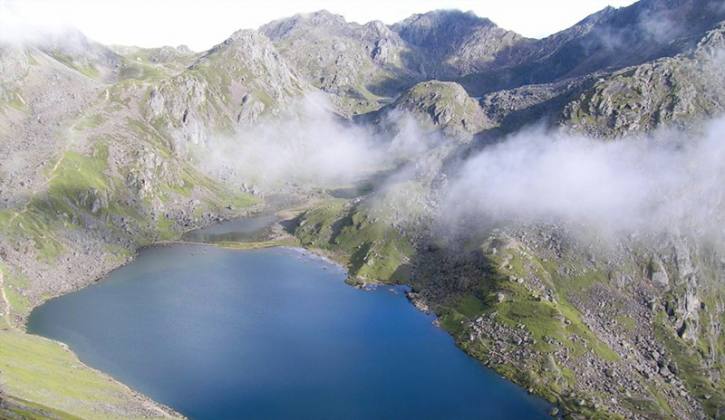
(626, 322)
(89, 121)
(690, 366)
(470, 306)
(87, 70)
(375, 251)
(42, 372)
(16, 408)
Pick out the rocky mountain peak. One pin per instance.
(247, 37)
(432, 29)
(455, 43)
(323, 17)
(319, 20)
(379, 29)
(355, 62)
(246, 49)
(713, 42)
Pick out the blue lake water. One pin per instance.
(272, 334)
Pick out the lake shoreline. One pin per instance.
(20, 324)
(279, 238)
(166, 255)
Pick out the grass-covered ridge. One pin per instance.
(372, 250)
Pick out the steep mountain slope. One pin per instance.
(228, 87)
(682, 90)
(455, 44)
(607, 40)
(357, 63)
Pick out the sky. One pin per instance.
(201, 24)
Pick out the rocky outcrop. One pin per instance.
(356, 63)
(229, 87)
(681, 91)
(441, 106)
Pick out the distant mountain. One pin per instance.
(365, 62)
(230, 86)
(455, 44)
(607, 40)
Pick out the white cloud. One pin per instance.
(669, 181)
(308, 146)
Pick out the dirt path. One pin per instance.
(4, 297)
(42, 186)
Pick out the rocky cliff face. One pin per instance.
(455, 43)
(359, 64)
(603, 41)
(229, 87)
(680, 90)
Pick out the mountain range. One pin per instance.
(111, 148)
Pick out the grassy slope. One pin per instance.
(35, 369)
(543, 318)
(550, 323)
(372, 251)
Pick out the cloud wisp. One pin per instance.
(309, 146)
(664, 182)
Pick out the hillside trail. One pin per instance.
(5, 301)
(54, 170)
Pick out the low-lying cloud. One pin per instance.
(310, 146)
(668, 181)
